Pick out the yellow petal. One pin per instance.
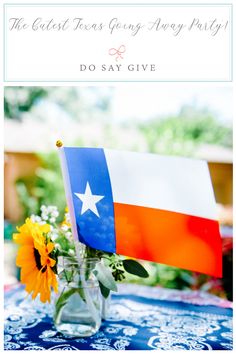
(45, 228)
(50, 247)
(52, 262)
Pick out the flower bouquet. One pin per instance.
(81, 277)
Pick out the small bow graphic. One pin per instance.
(117, 52)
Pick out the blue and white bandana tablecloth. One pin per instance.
(140, 318)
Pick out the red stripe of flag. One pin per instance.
(176, 239)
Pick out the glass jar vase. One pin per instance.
(78, 306)
(106, 307)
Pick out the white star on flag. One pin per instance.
(89, 200)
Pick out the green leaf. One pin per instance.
(61, 301)
(188, 278)
(80, 291)
(105, 292)
(133, 267)
(105, 277)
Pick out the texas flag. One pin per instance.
(146, 206)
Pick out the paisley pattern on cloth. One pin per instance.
(140, 318)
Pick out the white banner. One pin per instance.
(74, 43)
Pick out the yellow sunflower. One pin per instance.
(34, 260)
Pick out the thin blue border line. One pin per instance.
(4, 44)
(64, 81)
(118, 4)
(230, 5)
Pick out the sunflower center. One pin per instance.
(37, 261)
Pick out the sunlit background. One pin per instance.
(178, 119)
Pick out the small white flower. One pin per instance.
(54, 236)
(32, 218)
(57, 246)
(71, 252)
(65, 227)
(67, 217)
(68, 234)
(54, 229)
(55, 214)
(35, 218)
(49, 212)
(44, 216)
